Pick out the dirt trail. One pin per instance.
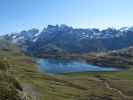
(29, 92)
(108, 86)
(117, 90)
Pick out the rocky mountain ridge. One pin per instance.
(63, 38)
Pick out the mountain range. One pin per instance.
(63, 38)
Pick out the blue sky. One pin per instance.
(16, 15)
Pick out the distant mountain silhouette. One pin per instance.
(63, 38)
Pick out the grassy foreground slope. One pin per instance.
(35, 86)
(75, 86)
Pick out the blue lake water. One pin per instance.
(57, 66)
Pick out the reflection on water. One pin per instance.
(64, 66)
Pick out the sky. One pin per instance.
(17, 15)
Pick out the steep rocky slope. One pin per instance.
(56, 39)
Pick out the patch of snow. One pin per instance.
(97, 34)
(124, 29)
(15, 40)
(35, 39)
(14, 36)
(37, 34)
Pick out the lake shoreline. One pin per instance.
(61, 66)
(98, 59)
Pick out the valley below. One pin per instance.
(92, 76)
(83, 85)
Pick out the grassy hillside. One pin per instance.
(20, 73)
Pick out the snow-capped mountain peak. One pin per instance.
(71, 39)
